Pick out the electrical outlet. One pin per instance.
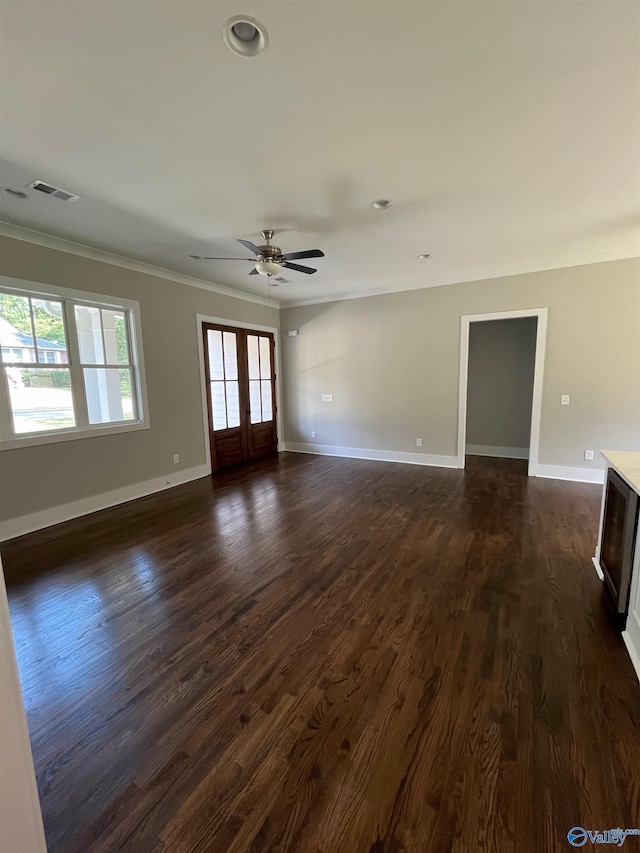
(176, 458)
(564, 400)
(313, 433)
(588, 455)
(418, 442)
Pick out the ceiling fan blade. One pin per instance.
(298, 268)
(254, 271)
(229, 259)
(251, 246)
(310, 253)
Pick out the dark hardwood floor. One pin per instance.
(319, 654)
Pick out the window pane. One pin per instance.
(51, 339)
(266, 400)
(125, 393)
(233, 404)
(105, 401)
(254, 399)
(114, 324)
(40, 399)
(265, 358)
(214, 341)
(218, 405)
(89, 335)
(15, 328)
(230, 357)
(252, 352)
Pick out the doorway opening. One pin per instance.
(239, 377)
(501, 372)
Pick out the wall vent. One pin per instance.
(56, 192)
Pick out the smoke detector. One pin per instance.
(56, 192)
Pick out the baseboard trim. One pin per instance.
(578, 475)
(375, 455)
(65, 512)
(596, 566)
(633, 647)
(499, 452)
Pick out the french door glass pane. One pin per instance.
(89, 325)
(214, 341)
(233, 405)
(108, 394)
(230, 356)
(223, 371)
(266, 400)
(254, 358)
(265, 358)
(40, 399)
(218, 405)
(254, 401)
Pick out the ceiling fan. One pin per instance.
(269, 259)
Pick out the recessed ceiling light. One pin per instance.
(423, 257)
(381, 204)
(245, 36)
(15, 193)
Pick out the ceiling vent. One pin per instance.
(56, 192)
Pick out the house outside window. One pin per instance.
(71, 365)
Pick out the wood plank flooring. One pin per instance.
(327, 656)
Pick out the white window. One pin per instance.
(71, 365)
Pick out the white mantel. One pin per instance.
(627, 465)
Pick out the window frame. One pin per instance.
(83, 429)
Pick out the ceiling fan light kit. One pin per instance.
(268, 268)
(269, 259)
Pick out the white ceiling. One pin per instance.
(506, 134)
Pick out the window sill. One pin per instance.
(33, 440)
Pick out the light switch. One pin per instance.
(564, 400)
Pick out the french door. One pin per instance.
(241, 394)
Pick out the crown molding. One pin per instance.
(48, 241)
(466, 278)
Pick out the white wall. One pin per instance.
(392, 363)
(21, 828)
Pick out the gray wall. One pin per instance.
(392, 363)
(502, 356)
(37, 478)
